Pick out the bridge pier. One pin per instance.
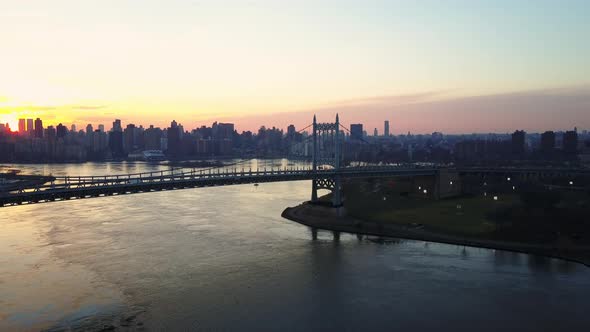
(314, 233)
(336, 236)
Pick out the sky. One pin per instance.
(452, 66)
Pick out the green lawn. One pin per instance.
(442, 215)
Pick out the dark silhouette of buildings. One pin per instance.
(61, 131)
(570, 142)
(356, 131)
(548, 142)
(518, 143)
(38, 128)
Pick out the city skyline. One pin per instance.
(424, 66)
(28, 125)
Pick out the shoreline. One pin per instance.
(324, 218)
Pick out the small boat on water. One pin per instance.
(153, 155)
(256, 185)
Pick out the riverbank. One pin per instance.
(326, 218)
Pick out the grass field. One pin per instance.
(463, 215)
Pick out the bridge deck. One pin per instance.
(68, 188)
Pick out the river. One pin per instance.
(222, 258)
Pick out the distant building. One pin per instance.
(22, 126)
(375, 132)
(38, 128)
(290, 130)
(547, 141)
(101, 128)
(30, 127)
(518, 142)
(51, 133)
(173, 133)
(116, 143)
(117, 126)
(222, 131)
(386, 128)
(570, 142)
(356, 131)
(153, 138)
(61, 131)
(129, 138)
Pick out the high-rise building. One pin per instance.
(518, 142)
(290, 130)
(222, 130)
(51, 134)
(30, 127)
(61, 131)
(116, 143)
(101, 128)
(548, 141)
(73, 128)
(152, 138)
(22, 126)
(386, 128)
(129, 138)
(356, 131)
(38, 128)
(375, 132)
(570, 142)
(117, 125)
(174, 139)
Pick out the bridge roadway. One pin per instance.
(79, 187)
(70, 188)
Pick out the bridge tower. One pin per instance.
(327, 154)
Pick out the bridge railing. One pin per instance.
(73, 182)
(235, 174)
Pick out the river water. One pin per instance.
(222, 258)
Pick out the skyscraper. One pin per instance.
(61, 131)
(375, 132)
(356, 131)
(117, 125)
(547, 141)
(30, 127)
(38, 128)
(570, 142)
(386, 128)
(22, 126)
(518, 142)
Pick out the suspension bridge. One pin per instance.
(326, 172)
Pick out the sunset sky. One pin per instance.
(453, 66)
